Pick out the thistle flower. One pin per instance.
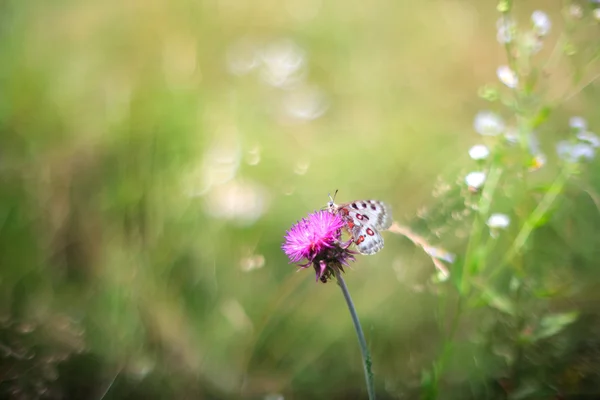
(317, 239)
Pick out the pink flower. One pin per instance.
(317, 239)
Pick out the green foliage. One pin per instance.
(147, 179)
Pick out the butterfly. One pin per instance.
(364, 220)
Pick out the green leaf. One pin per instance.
(498, 301)
(457, 273)
(515, 284)
(541, 117)
(426, 378)
(543, 220)
(526, 390)
(552, 324)
(477, 263)
(569, 49)
(489, 93)
(503, 6)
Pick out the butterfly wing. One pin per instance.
(364, 220)
(375, 212)
(366, 239)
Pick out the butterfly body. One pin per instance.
(364, 220)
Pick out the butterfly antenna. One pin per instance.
(334, 194)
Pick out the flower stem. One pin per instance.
(366, 356)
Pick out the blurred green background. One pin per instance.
(153, 154)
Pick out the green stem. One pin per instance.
(440, 364)
(534, 219)
(366, 356)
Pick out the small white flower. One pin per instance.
(538, 161)
(578, 123)
(479, 152)
(532, 42)
(541, 22)
(498, 221)
(505, 30)
(573, 152)
(581, 150)
(575, 11)
(488, 123)
(507, 76)
(475, 180)
(590, 138)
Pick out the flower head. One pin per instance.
(578, 123)
(506, 30)
(317, 239)
(475, 180)
(574, 152)
(541, 22)
(589, 137)
(507, 76)
(488, 123)
(532, 42)
(479, 152)
(575, 11)
(538, 161)
(496, 222)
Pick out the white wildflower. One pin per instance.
(541, 22)
(573, 152)
(498, 221)
(505, 30)
(479, 152)
(575, 11)
(590, 138)
(488, 123)
(532, 42)
(475, 180)
(507, 76)
(578, 123)
(538, 161)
